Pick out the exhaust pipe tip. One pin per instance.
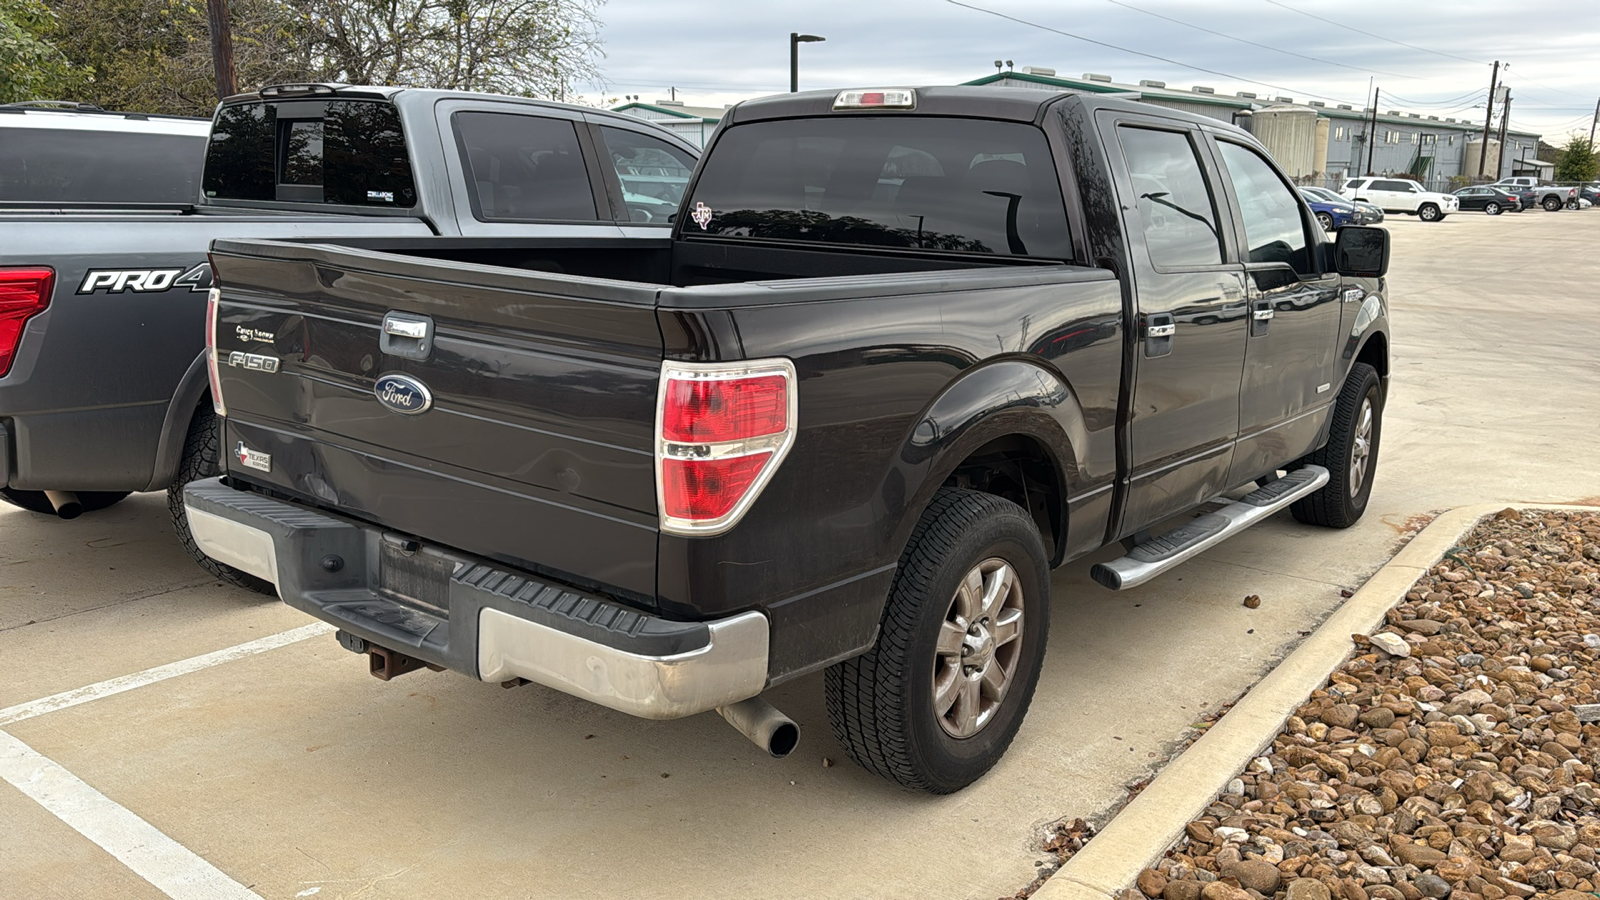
(65, 503)
(764, 725)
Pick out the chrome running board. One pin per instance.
(1158, 554)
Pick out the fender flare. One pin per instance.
(192, 390)
(998, 399)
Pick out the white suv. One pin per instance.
(1401, 195)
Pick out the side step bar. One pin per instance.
(1161, 553)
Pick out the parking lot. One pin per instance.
(281, 769)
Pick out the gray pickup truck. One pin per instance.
(103, 386)
(902, 352)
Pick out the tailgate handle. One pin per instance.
(406, 335)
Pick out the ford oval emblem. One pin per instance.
(403, 394)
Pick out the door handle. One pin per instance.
(1159, 329)
(1260, 317)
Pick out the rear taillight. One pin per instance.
(24, 293)
(722, 429)
(213, 300)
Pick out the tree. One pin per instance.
(155, 55)
(528, 47)
(31, 68)
(1577, 161)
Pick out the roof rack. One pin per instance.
(51, 104)
(69, 106)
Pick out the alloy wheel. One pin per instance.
(978, 648)
(1361, 448)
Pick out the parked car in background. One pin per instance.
(104, 268)
(1491, 200)
(1401, 195)
(1365, 214)
(1550, 196)
(1332, 213)
(60, 156)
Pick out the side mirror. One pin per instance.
(1361, 251)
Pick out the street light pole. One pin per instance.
(795, 40)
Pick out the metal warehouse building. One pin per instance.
(1318, 143)
(692, 123)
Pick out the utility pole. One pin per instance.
(1592, 123)
(1505, 117)
(1488, 117)
(1372, 139)
(222, 48)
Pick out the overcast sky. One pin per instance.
(719, 51)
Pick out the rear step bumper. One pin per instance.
(1164, 551)
(455, 611)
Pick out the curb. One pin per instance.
(1137, 836)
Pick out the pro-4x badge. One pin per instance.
(253, 459)
(701, 215)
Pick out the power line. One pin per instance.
(1548, 87)
(1371, 35)
(1253, 43)
(1173, 62)
(1453, 101)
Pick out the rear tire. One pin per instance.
(1429, 212)
(1350, 455)
(35, 501)
(1551, 204)
(1491, 208)
(201, 452)
(937, 700)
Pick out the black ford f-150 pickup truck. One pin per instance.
(903, 351)
(102, 382)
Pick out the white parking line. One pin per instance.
(174, 869)
(117, 685)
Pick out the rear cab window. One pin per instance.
(61, 165)
(338, 152)
(967, 186)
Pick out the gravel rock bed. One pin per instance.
(1447, 759)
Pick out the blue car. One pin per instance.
(1332, 211)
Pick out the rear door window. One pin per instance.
(344, 152)
(928, 183)
(1175, 205)
(652, 172)
(51, 165)
(524, 168)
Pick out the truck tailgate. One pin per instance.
(537, 447)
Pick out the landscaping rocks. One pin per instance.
(1447, 759)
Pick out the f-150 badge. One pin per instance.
(701, 215)
(403, 394)
(253, 459)
(255, 361)
(145, 281)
